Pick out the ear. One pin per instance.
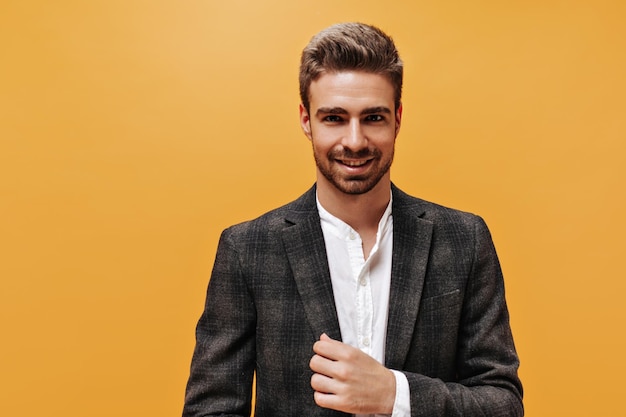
(398, 118)
(305, 122)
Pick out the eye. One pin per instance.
(332, 118)
(374, 118)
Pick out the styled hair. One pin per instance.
(350, 47)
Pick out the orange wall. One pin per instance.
(133, 132)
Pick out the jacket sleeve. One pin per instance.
(487, 383)
(222, 367)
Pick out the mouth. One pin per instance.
(354, 163)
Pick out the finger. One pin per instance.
(329, 348)
(332, 401)
(322, 365)
(324, 339)
(322, 383)
(324, 400)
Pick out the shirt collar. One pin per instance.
(343, 230)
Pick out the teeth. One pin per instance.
(354, 163)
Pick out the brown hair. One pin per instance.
(350, 47)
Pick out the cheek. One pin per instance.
(384, 142)
(319, 149)
(323, 141)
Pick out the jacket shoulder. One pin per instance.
(437, 214)
(276, 219)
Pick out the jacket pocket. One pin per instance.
(440, 301)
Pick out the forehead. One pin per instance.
(351, 89)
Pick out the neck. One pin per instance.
(361, 211)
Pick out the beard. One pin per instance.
(353, 184)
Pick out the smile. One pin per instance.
(354, 163)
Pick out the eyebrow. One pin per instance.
(340, 110)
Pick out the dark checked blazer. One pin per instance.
(270, 298)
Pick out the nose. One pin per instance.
(355, 139)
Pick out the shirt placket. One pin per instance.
(363, 301)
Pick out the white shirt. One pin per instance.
(361, 290)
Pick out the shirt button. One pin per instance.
(363, 281)
(352, 235)
(366, 341)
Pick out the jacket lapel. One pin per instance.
(304, 245)
(411, 247)
(305, 248)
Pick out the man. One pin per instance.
(355, 298)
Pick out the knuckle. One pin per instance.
(314, 362)
(316, 381)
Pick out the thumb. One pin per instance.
(325, 337)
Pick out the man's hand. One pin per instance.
(347, 379)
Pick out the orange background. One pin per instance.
(133, 132)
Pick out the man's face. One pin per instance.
(352, 125)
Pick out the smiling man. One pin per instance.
(355, 299)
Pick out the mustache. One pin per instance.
(345, 153)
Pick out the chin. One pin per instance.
(355, 187)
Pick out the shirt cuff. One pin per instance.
(402, 404)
